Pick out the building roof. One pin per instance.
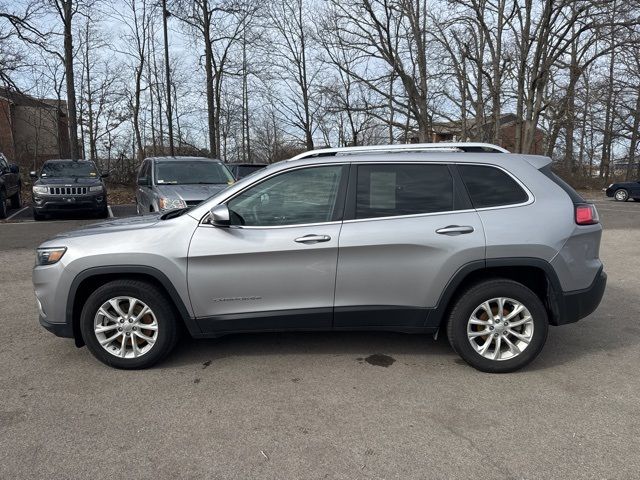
(456, 126)
(24, 100)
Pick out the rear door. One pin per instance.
(408, 228)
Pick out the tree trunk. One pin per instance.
(72, 117)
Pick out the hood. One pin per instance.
(116, 225)
(624, 184)
(190, 193)
(68, 181)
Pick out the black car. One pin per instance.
(10, 186)
(240, 170)
(623, 191)
(69, 186)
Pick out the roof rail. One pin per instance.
(405, 147)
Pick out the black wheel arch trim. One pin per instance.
(143, 270)
(562, 307)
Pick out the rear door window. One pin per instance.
(388, 190)
(491, 187)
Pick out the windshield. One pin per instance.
(69, 169)
(190, 172)
(244, 170)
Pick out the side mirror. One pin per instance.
(33, 174)
(104, 175)
(220, 215)
(143, 181)
(13, 168)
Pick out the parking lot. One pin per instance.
(322, 405)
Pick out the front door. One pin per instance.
(275, 266)
(407, 233)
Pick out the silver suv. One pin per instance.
(167, 183)
(489, 246)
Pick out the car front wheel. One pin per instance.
(128, 324)
(498, 326)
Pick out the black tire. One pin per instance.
(152, 297)
(38, 216)
(469, 301)
(16, 199)
(3, 205)
(622, 193)
(104, 213)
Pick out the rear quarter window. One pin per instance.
(491, 187)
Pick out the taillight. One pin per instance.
(586, 214)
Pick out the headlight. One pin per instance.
(610, 185)
(97, 188)
(49, 256)
(40, 189)
(171, 203)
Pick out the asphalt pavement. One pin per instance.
(323, 405)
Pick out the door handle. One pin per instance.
(455, 230)
(313, 239)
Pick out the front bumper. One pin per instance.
(572, 306)
(610, 191)
(66, 203)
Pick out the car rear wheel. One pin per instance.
(128, 324)
(3, 205)
(498, 326)
(16, 199)
(621, 195)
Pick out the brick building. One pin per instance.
(452, 132)
(32, 130)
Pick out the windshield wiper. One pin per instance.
(174, 213)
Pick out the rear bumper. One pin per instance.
(58, 329)
(578, 304)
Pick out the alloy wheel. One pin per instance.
(500, 328)
(126, 327)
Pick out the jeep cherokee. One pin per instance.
(490, 246)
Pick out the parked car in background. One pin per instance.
(341, 239)
(10, 186)
(65, 186)
(167, 183)
(623, 191)
(241, 170)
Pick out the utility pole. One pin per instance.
(166, 14)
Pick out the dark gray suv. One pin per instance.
(492, 247)
(10, 186)
(66, 186)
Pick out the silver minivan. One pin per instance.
(166, 183)
(489, 246)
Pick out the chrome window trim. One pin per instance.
(530, 199)
(205, 218)
(530, 196)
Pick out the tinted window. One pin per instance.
(490, 186)
(390, 190)
(188, 172)
(302, 196)
(242, 171)
(144, 169)
(69, 169)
